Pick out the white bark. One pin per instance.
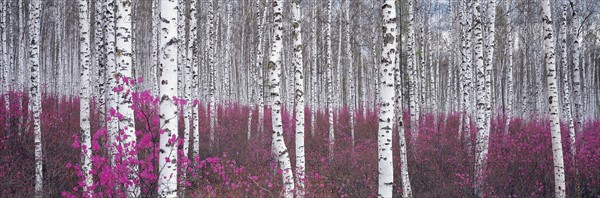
(489, 63)
(576, 68)
(509, 72)
(4, 56)
(100, 56)
(193, 61)
(167, 180)
(211, 67)
(84, 95)
(351, 90)
(412, 74)
(387, 96)
(482, 137)
(124, 53)
(154, 45)
(34, 89)
(565, 70)
(330, 99)
(111, 98)
(299, 96)
(279, 147)
(557, 153)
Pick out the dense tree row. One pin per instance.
(483, 59)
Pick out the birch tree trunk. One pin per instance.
(329, 80)
(193, 61)
(412, 74)
(576, 68)
(84, 95)
(489, 63)
(111, 66)
(167, 180)
(279, 146)
(211, 65)
(557, 153)
(299, 96)
(4, 56)
(387, 96)
(565, 68)
(124, 53)
(34, 90)
(482, 137)
(509, 72)
(154, 45)
(100, 56)
(351, 90)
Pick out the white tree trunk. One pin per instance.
(279, 147)
(84, 95)
(565, 68)
(330, 99)
(299, 96)
(192, 55)
(34, 89)
(557, 153)
(387, 96)
(211, 67)
(482, 137)
(489, 63)
(576, 68)
(100, 56)
(509, 72)
(111, 98)
(167, 180)
(351, 90)
(412, 74)
(124, 53)
(4, 56)
(154, 45)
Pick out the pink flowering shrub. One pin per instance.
(441, 164)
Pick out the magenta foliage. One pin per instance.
(441, 165)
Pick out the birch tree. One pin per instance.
(509, 72)
(387, 96)
(279, 147)
(84, 95)
(193, 61)
(34, 90)
(565, 70)
(577, 20)
(557, 153)
(124, 53)
(482, 137)
(211, 68)
(167, 180)
(111, 66)
(412, 73)
(350, 61)
(331, 140)
(299, 96)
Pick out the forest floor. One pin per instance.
(440, 162)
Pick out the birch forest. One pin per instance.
(300, 98)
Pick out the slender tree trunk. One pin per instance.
(565, 70)
(557, 153)
(299, 90)
(351, 90)
(280, 149)
(489, 63)
(84, 95)
(34, 89)
(387, 96)
(412, 74)
(329, 80)
(509, 72)
(193, 61)
(576, 68)
(124, 54)
(100, 56)
(111, 98)
(482, 137)
(154, 45)
(211, 66)
(167, 180)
